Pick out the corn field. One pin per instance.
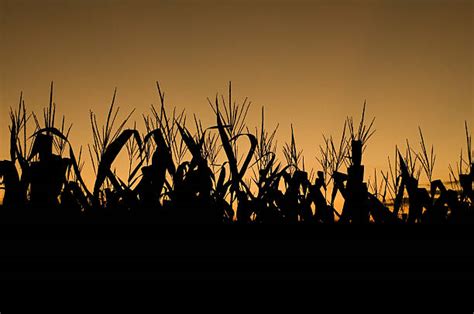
(180, 171)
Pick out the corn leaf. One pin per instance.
(110, 155)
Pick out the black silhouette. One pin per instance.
(176, 176)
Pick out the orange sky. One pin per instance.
(310, 63)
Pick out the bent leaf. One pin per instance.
(111, 154)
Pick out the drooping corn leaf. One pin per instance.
(251, 152)
(111, 154)
(228, 149)
(75, 165)
(226, 143)
(52, 131)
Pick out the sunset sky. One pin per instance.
(310, 63)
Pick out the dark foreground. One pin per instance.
(322, 252)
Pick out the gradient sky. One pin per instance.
(309, 63)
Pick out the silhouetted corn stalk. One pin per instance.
(466, 177)
(233, 118)
(363, 133)
(168, 125)
(427, 160)
(333, 157)
(356, 208)
(20, 150)
(265, 154)
(410, 180)
(410, 161)
(49, 122)
(107, 144)
(230, 125)
(210, 147)
(75, 163)
(172, 177)
(19, 146)
(292, 155)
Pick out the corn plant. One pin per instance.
(107, 144)
(293, 156)
(466, 177)
(230, 125)
(175, 174)
(210, 144)
(470, 152)
(265, 165)
(168, 124)
(265, 152)
(427, 160)
(19, 142)
(332, 157)
(233, 118)
(364, 132)
(135, 161)
(464, 165)
(49, 122)
(355, 192)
